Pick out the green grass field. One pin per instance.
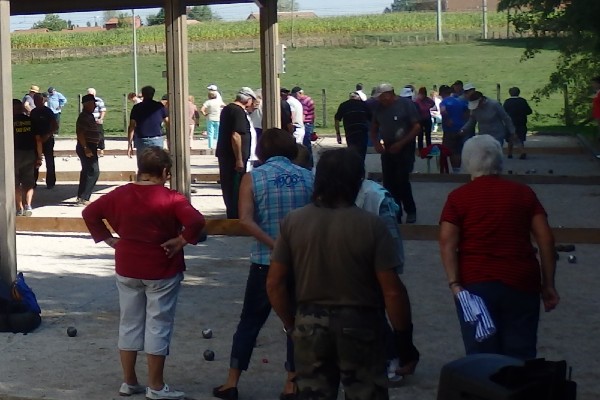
(333, 70)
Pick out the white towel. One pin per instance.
(476, 313)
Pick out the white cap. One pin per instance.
(469, 86)
(383, 88)
(406, 92)
(212, 87)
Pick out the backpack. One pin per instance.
(19, 309)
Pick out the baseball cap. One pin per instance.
(165, 97)
(248, 92)
(406, 92)
(34, 89)
(383, 88)
(296, 89)
(88, 97)
(51, 89)
(212, 87)
(469, 86)
(354, 95)
(284, 91)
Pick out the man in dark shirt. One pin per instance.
(233, 148)
(45, 126)
(517, 109)
(356, 116)
(28, 156)
(145, 123)
(88, 137)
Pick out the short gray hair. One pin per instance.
(242, 98)
(482, 155)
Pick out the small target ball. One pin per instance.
(550, 171)
(71, 331)
(572, 259)
(209, 355)
(207, 333)
(265, 361)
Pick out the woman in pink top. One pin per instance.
(154, 224)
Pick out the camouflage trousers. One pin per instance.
(339, 344)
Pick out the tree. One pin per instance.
(288, 5)
(109, 14)
(413, 5)
(51, 22)
(201, 13)
(157, 19)
(573, 27)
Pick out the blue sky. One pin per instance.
(230, 12)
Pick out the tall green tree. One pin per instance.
(401, 5)
(288, 5)
(52, 22)
(157, 19)
(574, 27)
(202, 13)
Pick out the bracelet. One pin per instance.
(453, 283)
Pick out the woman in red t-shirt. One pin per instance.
(149, 264)
(485, 243)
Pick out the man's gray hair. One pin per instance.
(482, 155)
(243, 98)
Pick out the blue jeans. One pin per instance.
(309, 128)
(515, 314)
(143, 142)
(255, 311)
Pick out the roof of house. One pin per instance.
(286, 15)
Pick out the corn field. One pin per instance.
(208, 31)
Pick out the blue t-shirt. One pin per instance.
(453, 109)
(148, 116)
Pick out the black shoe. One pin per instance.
(510, 156)
(225, 394)
(411, 218)
(523, 156)
(50, 186)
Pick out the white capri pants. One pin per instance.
(147, 313)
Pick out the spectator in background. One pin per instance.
(45, 126)
(99, 114)
(308, 109)
(360, 92)
(297, 114)
(595, 113)
(263, 204)
(132, 97)
(193, 118)
(490, 118)
(424, 105)
(256, 115)
(486, 228)
(436, 116)
(233, 148)
(27, 102)
(213, 88)
(55, 102)
(467, 90)
(89, 135)
(518, 109)
(458, 89)
(153, 225)
(145, 123)
(355, 115)
(27, 157)
(211, 109)
(454, 113)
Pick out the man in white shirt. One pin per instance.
(297, 114)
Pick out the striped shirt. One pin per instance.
(308, 107)
(279, 187)
(100, 108)
(494, 216)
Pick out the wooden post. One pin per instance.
(177, 84)
(568, 116)
(125, 119)
(269, 45)
(498, 94)
(8, 247)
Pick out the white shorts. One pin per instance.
(147, 313)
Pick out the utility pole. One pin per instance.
(485, 21)
(135, 63)
(440, 37)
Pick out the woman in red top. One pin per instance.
(149, 264)
(485, 243)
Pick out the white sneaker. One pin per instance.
(393, 365)
(166, 393)
(128, 390)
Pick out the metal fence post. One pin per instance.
(324, 102)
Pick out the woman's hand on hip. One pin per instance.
(173, 246)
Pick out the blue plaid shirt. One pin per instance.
(279, 187)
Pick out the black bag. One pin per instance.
(16, 316)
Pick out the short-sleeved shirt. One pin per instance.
(286, 114)
(100, 108)
(332, 265)
(233, 119)
(28, 99)
(213, 109)
(41, 120)
(297, 111)
(148, 116)
(517, 109)
(453, 109)
(308, 107)
(86, 123)
(395, 120)
(355, 115)
(596, 106)
(494, 216)
(24, 136)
